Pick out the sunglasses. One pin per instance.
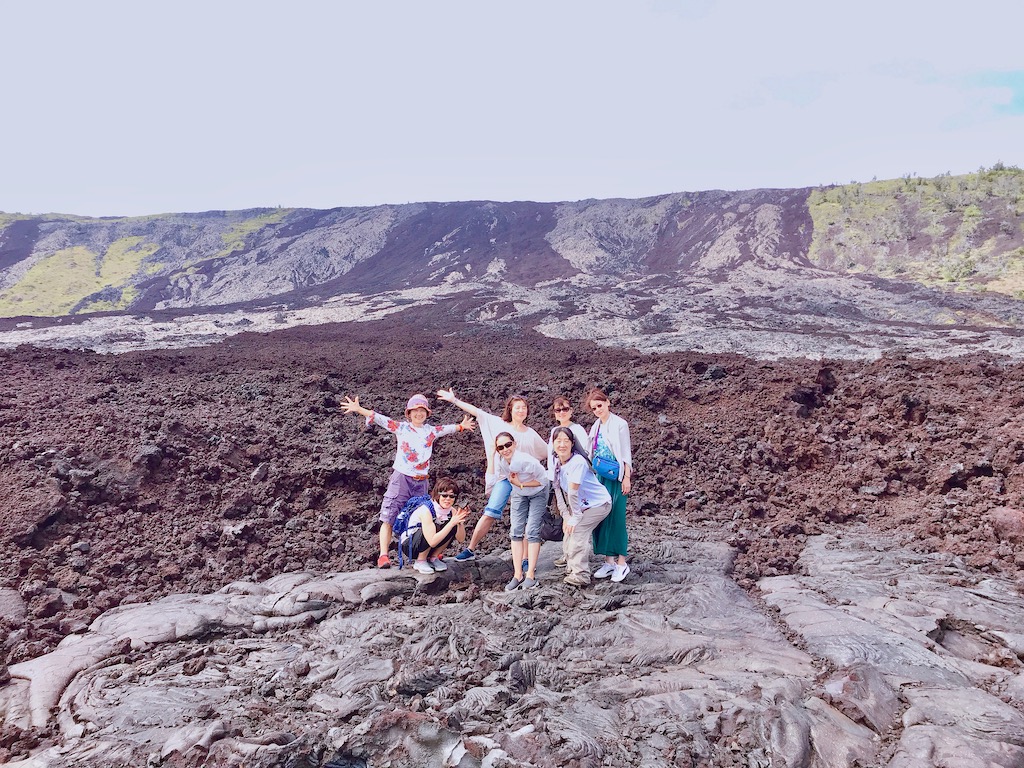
(563, 409)
(503, 446)
(446, 495)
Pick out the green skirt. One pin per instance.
(610, 537)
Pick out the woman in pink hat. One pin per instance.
(412, 459)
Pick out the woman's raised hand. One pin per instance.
(447, 395)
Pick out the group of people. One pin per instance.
(588, 474)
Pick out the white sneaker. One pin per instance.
(605, 571)
(422, 566)
(438, 564)
(620, 572)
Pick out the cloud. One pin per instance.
(1004, 90)
(799, 90)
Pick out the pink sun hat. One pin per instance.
(418, 401)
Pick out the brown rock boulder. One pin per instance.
(1008, 523)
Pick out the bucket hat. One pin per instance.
(417, 401)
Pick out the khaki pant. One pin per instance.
(577, 545)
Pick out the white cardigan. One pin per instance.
(616, 434)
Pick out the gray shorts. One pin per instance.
(527, 513)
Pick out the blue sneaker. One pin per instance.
(526, 565)
(465, 556)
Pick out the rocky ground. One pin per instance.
(127, 478)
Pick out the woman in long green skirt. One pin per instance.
(612, 457)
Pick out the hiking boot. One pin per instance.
(560, 561)
(513, 585)
(620, 573)
(422, 566)
(529, 583)
(465, 556)
(575, 580)
(605, 571)
(383, 562)
(438, 564)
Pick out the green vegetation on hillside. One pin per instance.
(9, 218)
(87, 276)
(237, 234)
(77, 279)
(965, 230)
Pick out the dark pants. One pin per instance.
(418, 543)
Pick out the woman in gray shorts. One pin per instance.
(529, 498)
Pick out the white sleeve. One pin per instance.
(533, 444)
(624, 442)
(574, 469)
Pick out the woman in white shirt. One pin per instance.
(562, 411)
(582, 499)
(529, 497)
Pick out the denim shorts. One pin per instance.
(499, 498)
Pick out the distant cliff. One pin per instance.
(657, 273)
(58, 265)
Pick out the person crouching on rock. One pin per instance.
(526, 511)
(423, 540)
(412, 459)
(582, 500)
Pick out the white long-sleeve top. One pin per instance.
(527, 468)
(527, 441)
(415, 444)
(590, 492)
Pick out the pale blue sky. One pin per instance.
(125, 108)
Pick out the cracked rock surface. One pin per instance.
(843, 665)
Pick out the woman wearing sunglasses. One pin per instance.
(612, 455)
(432, 526)
(529, 497)
(562, 410)
(513, 421)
